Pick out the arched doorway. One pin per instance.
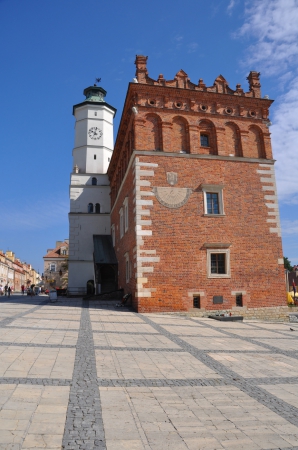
(90, 287)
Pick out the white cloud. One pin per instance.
(285, 141)
(272, 24)
(231, 6)
(192, 47)
(289, 227)
(272, 27)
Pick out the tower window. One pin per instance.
(95, 113)
(90, 207)
(204, 140)
(94, 156)
(94, 181)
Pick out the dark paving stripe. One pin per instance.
(278, 406)
(84, 425)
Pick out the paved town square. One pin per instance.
(89, 375)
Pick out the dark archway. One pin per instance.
(90, 287)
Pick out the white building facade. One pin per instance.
(89, 186)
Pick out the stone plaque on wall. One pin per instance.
(172, 197)
(217, 299)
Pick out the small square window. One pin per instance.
(204, 140)
(218, 263)
(196, 301)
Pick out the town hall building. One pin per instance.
(191, 216)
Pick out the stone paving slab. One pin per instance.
(79, 375)
(23, 335)
(127, 340)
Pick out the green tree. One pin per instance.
(287, 264)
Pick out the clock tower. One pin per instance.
(89, 185)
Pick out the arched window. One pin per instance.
(233, 139)
(180, 138)
(97, 208)
(152, 129)
(94, 181)
(90, 207)
(256, 142)
(207, 137)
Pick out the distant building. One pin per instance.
(55, 273)
(15, 273)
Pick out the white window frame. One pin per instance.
(125, 206)
(52, 265)
(121, 223)
(127, 267)
(113, 234)
(214, 189)
(212, 251)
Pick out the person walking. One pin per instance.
(23, 289)
(9, 291)
(5, 289)
(1, 290)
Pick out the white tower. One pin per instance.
(89, 185)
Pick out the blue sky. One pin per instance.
(52, 50)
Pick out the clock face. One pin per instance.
(94, 133)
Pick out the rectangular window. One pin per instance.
(53, 267)
(239, 300)
(125, 205)
(113, 234)
(212, 203)
(213, 199)
(94, 156)
(204, 140)
(127, 267)
(218, 263)
(121, 223)
(196, 301)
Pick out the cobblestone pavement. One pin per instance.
(79, 375)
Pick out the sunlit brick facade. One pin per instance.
(195, 218)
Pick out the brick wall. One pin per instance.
(170, 237)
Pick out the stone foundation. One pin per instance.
(276, 313)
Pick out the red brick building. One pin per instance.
(195, 220)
